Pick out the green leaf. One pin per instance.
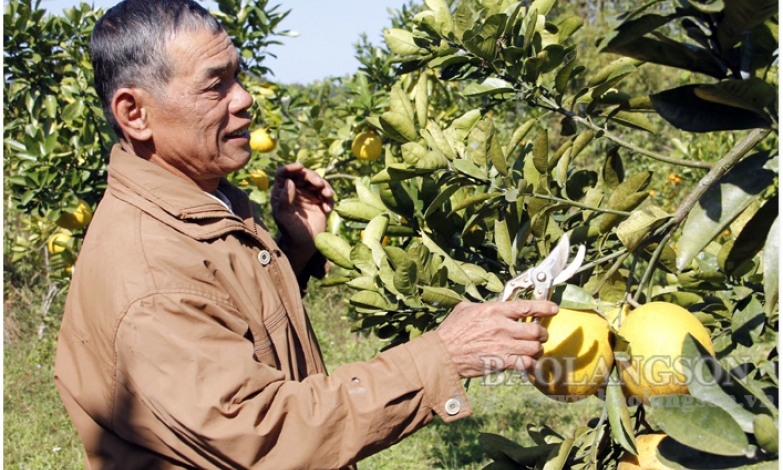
(433, 160)
(628, 203)
(402, 42)
(500, 448)
(456, 273)
(353, 209)
(557, 458)
(670, 53)
(619, 417)
(632, 120)
(503, 242)
(439, 141)
(440, 297)
(722, 203)
(581, 141)
(361, 257)
(565, 74)
(518, 135)
(469, 202)
(490, 86)
(633, 230)
(362, 283)
(698, 424)
(685, 110)
(368, 197)
(541, 7)
(771, 267)
(422, 100)
(573, 297)
(399, 127)
(406, 277)
(335, 249)
(677, 456)
(751, 239)
(399, 103)
(369, 299)
(610, 70)
(753, 94)
(73, 111)
(441, 199)
(747, 322)
(580, 183)
(541, 152)
(742, 15)
(630, 31)
(567, 27)
(375, 230)
(613, 171)
(765, 429)
(702, 373)
(468, 168)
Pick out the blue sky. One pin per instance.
(327, 28)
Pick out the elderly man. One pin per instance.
(184, 342)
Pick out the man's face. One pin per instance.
(200, 126)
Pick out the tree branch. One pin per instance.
(721, 168)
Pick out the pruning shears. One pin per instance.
(553, 270)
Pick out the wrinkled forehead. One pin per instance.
(202, 54)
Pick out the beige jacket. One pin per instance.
(180, 348)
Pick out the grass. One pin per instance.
(39, 435)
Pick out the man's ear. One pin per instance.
(131, 111)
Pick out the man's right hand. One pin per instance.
(476, 330)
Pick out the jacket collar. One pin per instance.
(175, 201)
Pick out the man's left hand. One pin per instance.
(301, 203)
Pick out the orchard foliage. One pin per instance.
(645, 131)
(474, 204)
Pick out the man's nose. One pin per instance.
(241, 100)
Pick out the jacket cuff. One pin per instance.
(316, 267)
(442, 385)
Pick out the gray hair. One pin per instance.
(129, 46)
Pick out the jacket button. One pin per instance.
(453, 406)
(264, 257)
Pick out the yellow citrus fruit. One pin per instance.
(259, 178)
(367, 146)
(77, 219)
(58, 242)
(260, 141)
(577, 357)
(655, 332)
(647, 459)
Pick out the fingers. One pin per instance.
(307, 184)
(528, 331)
(527, 308)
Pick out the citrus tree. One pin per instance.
(56, 142)
(472, 203)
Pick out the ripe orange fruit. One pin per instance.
(58, 242)
(672, 176)
(647, 445)
(577, 358)
(655, 332)
(677, 180)
(259, 178)
(77, 219)
(367, 146)
(260, 141)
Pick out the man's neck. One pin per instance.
(143, 150)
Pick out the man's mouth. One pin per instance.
(241, 132)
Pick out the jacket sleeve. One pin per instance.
(188, 387)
